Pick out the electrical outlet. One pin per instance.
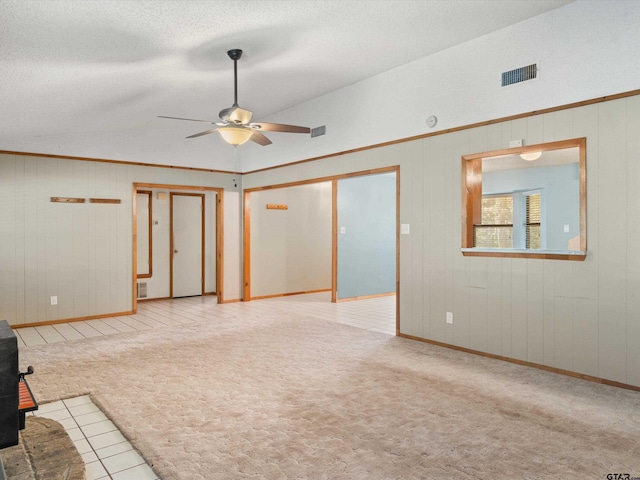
(54, 300)
(515, 143)
(450, 318)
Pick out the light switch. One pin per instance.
(566, 229)
(405, 229)
(343, 230)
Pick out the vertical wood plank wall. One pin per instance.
(578, 316)
(81, 253)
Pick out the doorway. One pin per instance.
(202, 236)
(258, 205)
(187, 245)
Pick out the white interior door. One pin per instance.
(187, 213)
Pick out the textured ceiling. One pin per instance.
(88, 78)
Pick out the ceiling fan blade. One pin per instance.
(260, 139)
(189, 119)
(206, 132)
(279, 127)
(236, 114)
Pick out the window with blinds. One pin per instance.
(533, 220)
(496, 229)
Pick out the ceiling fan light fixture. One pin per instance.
(530, 157)
(235, 135)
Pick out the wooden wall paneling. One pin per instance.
(42, 220)
(20, 236)
(101, 245)
(80, 241)
(123, 300)
(92, 222)
(519, 130)
(494, 138)
(418, 252)
(506, 305)
(31, 222)
(535, 310)
(633, 241)
(519, 309)
(585, 336)
(586, 120)
(494, 307)
(563, 333)
(456, 145)
(478, 304)
(612, 237)
(549, 298)
(407, 319)
(50, 233)
(534, 130)
(434, 261)
(8, 226)
(451, 175)
(64, 232)
(564, 127)
(585, 274)
(549, 128)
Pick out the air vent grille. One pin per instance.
(142, 290)
(521, 74)
(318, 131)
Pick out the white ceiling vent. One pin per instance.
(318, 131)
(521, 74)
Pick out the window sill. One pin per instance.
(521, 253)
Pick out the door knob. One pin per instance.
(175, 251)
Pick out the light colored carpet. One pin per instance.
(286, 397)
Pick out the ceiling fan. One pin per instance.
(236, 127)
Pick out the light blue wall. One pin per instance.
(560, 199)
(367, 249)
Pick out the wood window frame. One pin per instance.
(472, 200)
(149, 193)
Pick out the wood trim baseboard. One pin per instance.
(232, 300)
(262, 297)
(560, 371)
(153, 299)
(365, 297)
(71, 320)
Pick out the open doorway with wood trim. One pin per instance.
(167, 226)
(292, 245)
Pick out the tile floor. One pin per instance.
(106, 452)
(377, 314)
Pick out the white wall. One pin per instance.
(578, 316)
(291, 249)
(585, 50)
(82, 253)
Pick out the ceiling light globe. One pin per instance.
(530, 157)
(235, 135)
